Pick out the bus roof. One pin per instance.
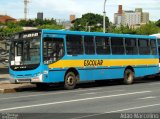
(64, 32)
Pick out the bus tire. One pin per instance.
(70, 81)
(128, 77)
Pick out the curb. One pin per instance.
(8, 91)
(13, 88)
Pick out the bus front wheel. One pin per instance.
(128, 76)
(70, 81)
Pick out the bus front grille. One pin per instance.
(23, 80)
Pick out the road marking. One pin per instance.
(154, 84)
(151, 97)
(88, 93)
(64, 92)
(116, 111)
(77, 100)
(101, 92)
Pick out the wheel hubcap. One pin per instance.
(70, 80)
(129, 76)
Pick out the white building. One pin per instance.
(130, 18)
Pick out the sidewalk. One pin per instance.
(13, 88)
(7, 87)
(4, 78)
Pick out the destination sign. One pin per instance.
(27, 35)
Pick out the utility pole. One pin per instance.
(104, 17)
(25, 8)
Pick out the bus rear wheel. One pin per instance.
(70, 81)
(128, 76)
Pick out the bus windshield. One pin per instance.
(25, 52)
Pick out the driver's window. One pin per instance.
(53, 49)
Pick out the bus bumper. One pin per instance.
(37, 79)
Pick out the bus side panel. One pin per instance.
(101, 74)
(54, 76)
(114, 73)
(142, 71)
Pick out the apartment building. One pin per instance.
(130, 18)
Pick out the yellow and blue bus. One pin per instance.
(68, 57)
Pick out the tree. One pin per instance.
(10, 28)
(122, 29)
(148, 29)
(37, 22)
(56, 27)
(158, 23)
(90, 20)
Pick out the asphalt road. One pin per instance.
(87, 101)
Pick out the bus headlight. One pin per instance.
(38, 78)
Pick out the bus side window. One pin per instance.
(74, 45)
(89, 45)
(131, 46)
(53, 49)
(153, 47)
(117, 45)
(102, 45)
(144, 46)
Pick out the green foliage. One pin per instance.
(36, 22)
(10, 28)
(91, 21)
(122, 30)
(56, 27)
(94, 21)
(148, 29)
(158, 23)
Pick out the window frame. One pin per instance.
(89, 46)
(81, 45)
(103, 44)
(153, 48)
(144, 50)
(113, 46)
(131, 47)
(46, 50)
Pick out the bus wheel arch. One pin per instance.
(71, 78)
(129, 75)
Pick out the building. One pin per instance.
(145, 17)
(119, 17)
(67, 24)
(130, 18)
(6, 18)
(40, 15)
(72, 18)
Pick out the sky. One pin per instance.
(61, 9)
